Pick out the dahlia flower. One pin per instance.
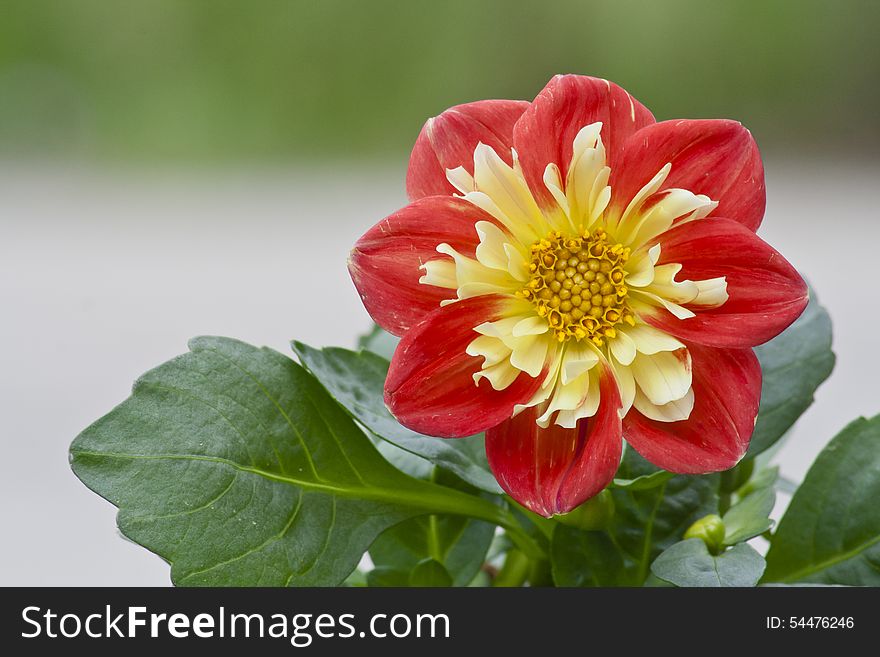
(570, 273)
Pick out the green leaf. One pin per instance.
(357, 578)
(587, 558)
(357, 379)
(644, 482)
(414, 466)
(233, 464)
(645, 523)
(386, 576)
(830, 533)
(794, 364)
(379, 341)
(763, 478)
(749, 517)
(459, 544)
(689, 563)
(429, 572)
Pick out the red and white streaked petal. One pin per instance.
(385, 263)
(715, 436)
(430, 385)
(448, 141)
(715, 158)
(546, 131)
(765, 293)
(552, 470)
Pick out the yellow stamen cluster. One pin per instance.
(579, 285)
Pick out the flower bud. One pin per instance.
(710, 530)
(595, 513)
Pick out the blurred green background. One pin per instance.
(217, 81)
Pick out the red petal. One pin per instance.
(546, 131)
(727, 389)
(430, 386)
(553, 470)
(718, 158)
(448, 141)
(384, 263)
(766, 292)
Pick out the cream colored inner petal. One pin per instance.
(678, 409)
(641, 301)
(500, 375)
(492, 349)
(473, 278)
(440, 273)
(640, 267)
(665, 285)
(460, 179)
(526, 233)
(649, 340)
(586, 186)
(529, 353)
(622, 347)
(517, 263)
(490, 251)
(633, 209)
(674, 204)
(578, 357)
(550, 380)
(711, 293)
(527, 344)
(553, 182)
(626, 385)
(663, 377)
(509, 192)
(501, 328)
(531, 325)
(572, 401)
(600, 196)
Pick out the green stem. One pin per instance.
(540, 573)
(458, 503)
(515, 570)
(433, 529)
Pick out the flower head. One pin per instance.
(570, 272)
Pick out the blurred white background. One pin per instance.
(105, 274)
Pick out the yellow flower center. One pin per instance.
(579, 285)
